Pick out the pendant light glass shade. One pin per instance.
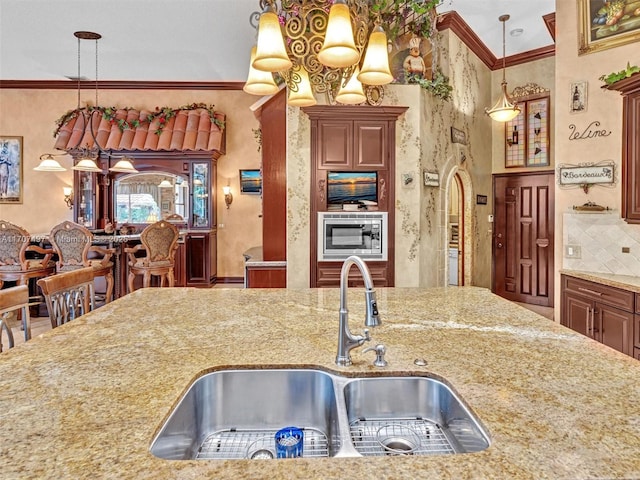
(375, 68)
(87, 165)
(351, 93)
(271, 55)
(124, 165)
(259, 82)
(165, 184)
(339, 48)
(504, 109)
(49, 164)
(304, 96)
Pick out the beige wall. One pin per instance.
(32, 115)
(603, 106)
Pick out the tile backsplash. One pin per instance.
(597, 240)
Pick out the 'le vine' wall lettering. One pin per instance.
(592, 131)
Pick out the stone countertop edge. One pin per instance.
(253, 258)
(85, 400)
(626, 282)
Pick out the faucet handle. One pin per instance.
(366, 336)
(380, 350)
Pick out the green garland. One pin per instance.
(161, 114)
(617, 76)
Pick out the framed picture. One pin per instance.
(527, 135)
(578, 97)
(431, 179)
(603, 25)
(11, 169)
(250, 182)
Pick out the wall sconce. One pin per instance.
(68, 196)
(228, 198)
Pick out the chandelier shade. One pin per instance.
(339, 48)
(259, 82)
(49, 164)
(352, 93)
(301, 94)
(271, 54)
(504, 109)
(124, 165)
(375, 67)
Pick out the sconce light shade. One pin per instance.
(304, 96)
(339, 48)
(124, 165)
(228, 197)
(351, 93)
(87, 165)
(259, 82)
(375, 67)
(68, 196)
(49, 164)
(271, 55)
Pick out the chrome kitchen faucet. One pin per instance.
(346, 340)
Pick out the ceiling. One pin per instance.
(190, 40)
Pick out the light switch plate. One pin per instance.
(572, 251)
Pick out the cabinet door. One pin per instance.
(631, 158)
(371, 150)
(576, 313)
(614, 328)
(335, 144)
(197, 250)
(86, 200)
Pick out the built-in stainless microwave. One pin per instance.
(358, 233)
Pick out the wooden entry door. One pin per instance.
(523, 237)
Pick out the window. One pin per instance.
(527, 135)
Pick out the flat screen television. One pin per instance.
(250, 182)
(352, 187)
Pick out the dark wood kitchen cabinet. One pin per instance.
(599, 311)
(352, 144)
(629, 88)
(200, 258)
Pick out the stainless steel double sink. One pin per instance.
(234, 414)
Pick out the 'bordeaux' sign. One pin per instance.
(592, 174)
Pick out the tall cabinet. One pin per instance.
(352, 138)
(629, 88)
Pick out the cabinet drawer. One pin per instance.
(601, 293)
(636, 331)
(636, 353)
(329, 274)
(637, 302)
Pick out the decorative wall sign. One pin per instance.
(592, 131)
(607, 24)
(458, 136)
(578, 97)
(527, 135)
(481, 199)
(408, 180)
(11, 179)
(587, 174)
(431, 179)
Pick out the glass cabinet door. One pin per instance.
(200, 214)
(86, 200)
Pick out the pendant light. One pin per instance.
(271, 55)
(258, 81)
(504, 109)
(375, 67)
(351, 93)
(303, 97)
(339, 48)
(124, 165)
(50, 164)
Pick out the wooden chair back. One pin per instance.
(15, 242)
(160, 241)
(69, 295)
(14, 299)
(71, 242)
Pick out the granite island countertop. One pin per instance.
(86, 399)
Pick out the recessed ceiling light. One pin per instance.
(516, 32)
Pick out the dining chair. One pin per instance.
(159, 242)
(73, 244)
(69, 295)
(14, 299)
(16, 264)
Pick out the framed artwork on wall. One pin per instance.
(250, 182)
(578, 97)
(11, 169)
(603, 25)
(527, 135)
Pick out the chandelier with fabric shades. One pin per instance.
(318, 47)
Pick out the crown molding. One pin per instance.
(119, 85)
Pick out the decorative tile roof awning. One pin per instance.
(187, 130)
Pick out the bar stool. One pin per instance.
(14, 299)
(68, 295)
(159, 243)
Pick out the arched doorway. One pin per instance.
(455, 231)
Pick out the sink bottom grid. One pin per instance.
(230, 444)
(415, 436)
